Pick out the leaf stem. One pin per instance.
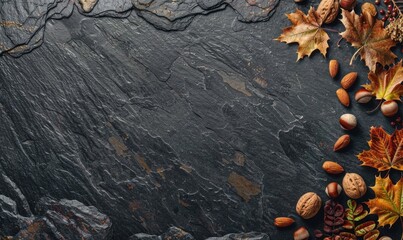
(338, 42)
(355, 56)
(373, 110)
(330, 30)
(387, 173)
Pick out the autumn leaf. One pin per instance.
(386, 151)
(388, 201)
(307, 32)
(386, 84)
(366, 33)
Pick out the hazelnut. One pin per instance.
(363, 95)
(348, 4)
(354, 185)
(333, 190)
(389, 108)
(308, 205)
(348, 121)
(385, 238)
(301, 234)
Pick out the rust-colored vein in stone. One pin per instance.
(120, 148)
(140, 160)
(245, 188)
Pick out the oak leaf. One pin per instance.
(367, 33)
(386, 84)
(307, 32)
(386, 151)
(388, 201)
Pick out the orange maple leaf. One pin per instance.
(307, 32)
(388, 201)
(386, 151)
(367, 33)
(386, 84)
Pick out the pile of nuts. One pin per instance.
(389, 108)
(310, 203)
(352, 184)
(347, 121)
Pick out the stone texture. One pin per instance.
(214, 129)
(173, 233)
(23, 22)
(64, 219)
(238, 236)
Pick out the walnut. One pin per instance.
(308, 205)
(328, 10)
(354, 185)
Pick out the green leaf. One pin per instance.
(362, 216)
(349, 214)
(352, 204)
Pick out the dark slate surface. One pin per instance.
(214, 129)
(64, 219)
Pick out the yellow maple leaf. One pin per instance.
(386, 84)
(307, 32)
(388, 201)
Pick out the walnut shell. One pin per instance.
(308, 205)
(328, 10)
(354, 185)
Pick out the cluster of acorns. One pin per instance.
(388, 108)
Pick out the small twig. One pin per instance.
(338, 42)
(355, 55)
(373, 110)
(330, 30)
(387, 173)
